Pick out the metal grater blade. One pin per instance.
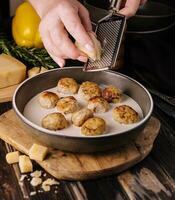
(109, 32)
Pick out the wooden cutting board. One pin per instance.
(70, 166)
(6, 94)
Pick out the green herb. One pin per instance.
(29, 56)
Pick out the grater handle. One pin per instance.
(115, 5)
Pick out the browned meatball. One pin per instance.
(111, 94)
(98, 104)
(67, 105)
(93, 126)
(67, 86)
(125, 114)
(89, 90)
(54, 121)
(79, 117)
(48, 99)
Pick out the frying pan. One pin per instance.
(150, 18)
(32, 86)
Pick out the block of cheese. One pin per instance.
(12, 157)
(25, 164)
(12, 71)
(38, 152)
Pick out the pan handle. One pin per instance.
(115, 5)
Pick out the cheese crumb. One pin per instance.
(47, 183)
(38, 152)
(46, 188)
(32, 193)
(12, 157)
(35, 181)
(25, 164)
(36, 174)
(23, 177)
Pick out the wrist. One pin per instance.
(42, 6)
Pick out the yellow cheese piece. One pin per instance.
(94, 55)
(43, 69)
(33, 71)
(36, 174)
(49, 182)
(25, 164)
(12, 157)
(12, 71)
(38, 152)
(36, 181)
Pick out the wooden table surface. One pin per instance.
(153, 178)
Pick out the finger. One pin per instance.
(76, 29)
(130, 8)
(48, 44)
(85, 18)
(55, 54)
(61, 40)
(59, 61)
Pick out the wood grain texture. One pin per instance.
(70, 166)
(147, 182)
(6, 94)
(8, 184)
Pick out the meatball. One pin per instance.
(111, 94)
(54, 121)
(125, 115)
(93, 126)
(67, 105)
(89, 90)
(98, 104)
(48, 99)
(67, 86)
(79, 117)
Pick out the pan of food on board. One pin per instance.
(75, 111)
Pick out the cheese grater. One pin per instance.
(109, 31)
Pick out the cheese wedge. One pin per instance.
(38, 152)
(94, 55)
(12, 71)
(12, 157)
(25, 164)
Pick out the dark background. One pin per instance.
(151, 55)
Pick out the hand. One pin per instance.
(58, 18)
(131, 7)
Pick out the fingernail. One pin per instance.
(89, 47)
(92, 32)
(82, 58)
(61, 64)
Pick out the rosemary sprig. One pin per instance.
(29, 56)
